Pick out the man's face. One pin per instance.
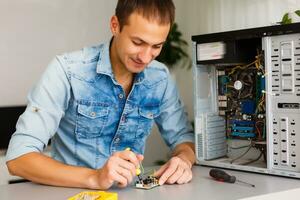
(138, 43)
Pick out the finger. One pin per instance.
(161, 170)
(122, 181)
(127, 165)
(121, 185)
(168, 172)
(140, 157)
(130, 156)
(185, 177)
(176, 175)
(126, 174)
(190, 177)
(187, 164)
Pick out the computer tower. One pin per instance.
(247, 99)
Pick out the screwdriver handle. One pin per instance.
(221, 175)
(138, 170)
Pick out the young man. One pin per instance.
(96, 102)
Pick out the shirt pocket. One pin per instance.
(147, 114)
(90, 120)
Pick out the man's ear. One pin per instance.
(114, 25)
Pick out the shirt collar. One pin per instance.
(104, 64)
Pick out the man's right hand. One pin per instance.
(120, 168)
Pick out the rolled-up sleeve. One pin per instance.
(47, 102)
(172, 122)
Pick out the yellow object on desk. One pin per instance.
(97, 195)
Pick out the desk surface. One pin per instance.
(201, 186)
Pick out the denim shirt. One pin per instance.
(80, 106)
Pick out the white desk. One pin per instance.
(202, 187)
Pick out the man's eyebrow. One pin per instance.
(137, 38)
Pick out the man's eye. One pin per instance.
(136, 43)
(157, 47)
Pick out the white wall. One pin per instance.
(203, 16)
(32, 32)
(196, 17)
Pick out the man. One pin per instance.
(96, 102)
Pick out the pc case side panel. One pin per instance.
(267, 51)
(282, 102)
(209, 127)
(205, 94)
(199, 140)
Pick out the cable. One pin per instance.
(252, 161)
(258, 131)
(235, 159)
(149, 172)
(263, 123)
(241, 147)
(142, 168)
(245, 66)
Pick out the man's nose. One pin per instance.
(145, 55)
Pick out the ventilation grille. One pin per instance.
(200, 145)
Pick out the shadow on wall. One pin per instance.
(8, 117)
(156, 149)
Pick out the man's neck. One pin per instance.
(122, 75)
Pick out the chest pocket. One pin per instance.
(146, 119)
(90, 120)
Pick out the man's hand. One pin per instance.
(179, 168)
(120, 168)
(176, 170)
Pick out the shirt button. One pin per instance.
(35, 109)
(93, 114)
(117, 140)
(121, 96)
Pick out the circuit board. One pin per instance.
(147, 183)
(241, 97)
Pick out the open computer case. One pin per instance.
(247, 99)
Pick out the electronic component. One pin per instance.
(242, 128)
(242, 106)
(147, 183)
(248, 106)
(238, 85)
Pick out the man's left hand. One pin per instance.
(176, 170)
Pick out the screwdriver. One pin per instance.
(138, 170)
(221, 175)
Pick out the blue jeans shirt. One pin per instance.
(80, 105)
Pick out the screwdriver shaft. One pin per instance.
(252, 185)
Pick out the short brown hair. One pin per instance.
(162, 10)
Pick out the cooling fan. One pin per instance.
(242, 84)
